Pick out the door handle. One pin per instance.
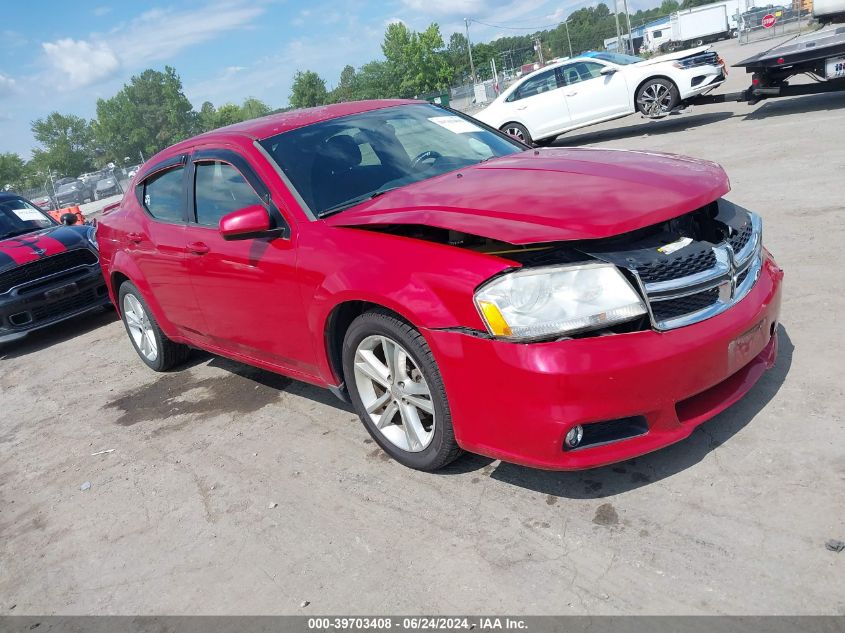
(521, 107)
(571, 94)
(135, 237)
(198, 248)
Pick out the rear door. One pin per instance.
(247, 289)
(591, 96)
(540, 105)
(156, 242)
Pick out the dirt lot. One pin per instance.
(177, 518)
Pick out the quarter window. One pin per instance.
(220, 189)
(164, 195)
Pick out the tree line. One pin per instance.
(152, 112)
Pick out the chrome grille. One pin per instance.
(700, 293)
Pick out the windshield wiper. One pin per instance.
(337, 208)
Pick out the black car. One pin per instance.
(106, 187)
(49, 272)
(73, 192)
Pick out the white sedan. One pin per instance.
(597, 87)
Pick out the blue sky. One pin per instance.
(59, 55)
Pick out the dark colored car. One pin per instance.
(73, 192)
(106, 187)
(560, 308)
(49, 272)
(45, 203)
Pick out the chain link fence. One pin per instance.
(768, 23)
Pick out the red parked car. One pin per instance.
(560, 308)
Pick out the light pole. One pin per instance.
(630, 44)
(469, 48)
(616, 17)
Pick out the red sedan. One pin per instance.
(560, 308)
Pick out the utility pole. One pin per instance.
(469, 48)
(538, 46)
(616, 16)
(629, 47)
(568, 41)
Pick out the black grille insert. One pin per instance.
(64, 306)
(47, 266)
(661, 270)
(673, 308)
(739, 240)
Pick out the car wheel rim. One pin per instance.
(516, 133)
(140, 327)
(656, 99)
(394, 393)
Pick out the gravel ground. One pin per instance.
(177, 518)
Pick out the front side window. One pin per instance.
(220, 189)
(617, 58)
(581, 71)
(339, 162)
(164, 195)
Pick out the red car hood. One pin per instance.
(30, 247)
(551, 195)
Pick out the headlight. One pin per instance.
(92, 236)
(557, 300)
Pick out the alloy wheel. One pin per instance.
(140, 328)
(656, 99)
(516, 133)
(394, 393)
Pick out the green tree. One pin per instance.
(308, 90)
(148, 114)
(417, 62)
(207, 117)
(67, 140)
(12, 169)
(253, 108)
(345, 90)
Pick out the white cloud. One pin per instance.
(390, 21)
(101, 11)
(79, 63)
(155, 35)
(447, 7)
(7, 86)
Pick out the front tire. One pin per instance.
(397, 391)
(157, 351)
(657, 97)
(518, 131)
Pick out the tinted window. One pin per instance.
(580, 71)
(164, 196)
(543, 82)
(336, 162)
(220, 189)
(17, 217)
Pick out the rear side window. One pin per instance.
(542, 82)
(164, 196)
(220, 189)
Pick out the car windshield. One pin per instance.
(340, 162)
(17, 217)
(617, 58)
(67, 187)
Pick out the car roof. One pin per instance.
(9, 195)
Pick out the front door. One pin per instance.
(591, 96)
(247, 289)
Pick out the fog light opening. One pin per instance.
(574, 436)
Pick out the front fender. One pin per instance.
(430, 285)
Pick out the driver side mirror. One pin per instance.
(608, 70)
(251, 221)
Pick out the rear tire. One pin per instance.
(157, 351)
(397, 391)
(518, 131)
(657, 97)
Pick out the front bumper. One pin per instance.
(516, 402)
(47, 301)
(701, 80)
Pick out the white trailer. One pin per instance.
(829, 10)
(701, 25)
